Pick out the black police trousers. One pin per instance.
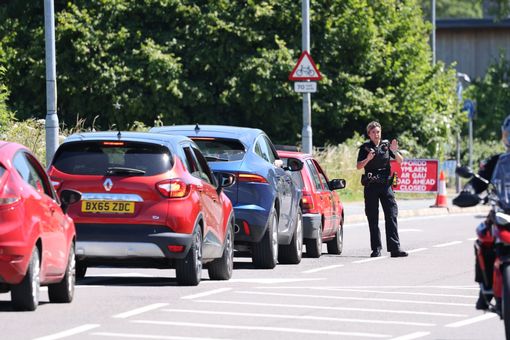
(374, 193)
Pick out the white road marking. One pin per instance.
(211, 292)
(417, 250)
(140, 310)
(469, 287)
(372, 259)
(315, 270)
(375, 310)
(409, 230)
(272, 281)
(358, 298)
(70, 332)
(338, 289)
(447, 244)
(300, 317)
(411, 336)
(262, 328)
(147, 336)
(470, 321)
(472, 239)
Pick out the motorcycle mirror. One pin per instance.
(464, 171)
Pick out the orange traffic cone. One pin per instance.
(441, 198)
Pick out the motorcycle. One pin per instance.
(492, 247)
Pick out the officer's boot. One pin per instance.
(483, 301)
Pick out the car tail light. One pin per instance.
(247, 177)
(246, 228)
(173, 188)
(8, 196)
(306, 202)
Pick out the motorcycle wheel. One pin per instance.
(505, 272)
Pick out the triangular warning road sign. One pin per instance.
(305, 69)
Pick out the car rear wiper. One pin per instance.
(215, 159)
(118, 170)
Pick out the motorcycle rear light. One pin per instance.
(173, 188)
(246, 228)
(246, 177)
(176, 248)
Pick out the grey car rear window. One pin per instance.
(220, 149)
(100, 157)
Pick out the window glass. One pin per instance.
(95, 157)
(29, 173)
(205, 172)
(264, 150)
(221, 149)
(197, 169)
(297, 177)
(315, 176)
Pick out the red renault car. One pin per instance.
(36, 236)
(323, 214)
(148, 200)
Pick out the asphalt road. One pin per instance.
(429, 295)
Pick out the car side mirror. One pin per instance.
(293, 164)
(224, 180)
(68, 197)
(336, 184)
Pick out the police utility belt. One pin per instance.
(377, 176)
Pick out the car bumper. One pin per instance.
(13, 263)
(112, 241)
(311, 223)
(251, 223)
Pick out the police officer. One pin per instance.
(374, 155)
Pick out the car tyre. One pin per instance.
(314, 245)
(189, 269)
(265, 252)
(25, 295)
(221, 269)
(63, 292)
(335, 246)
(81, 270)
(292, 253)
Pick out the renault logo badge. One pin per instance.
(108, 184)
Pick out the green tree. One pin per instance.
(448, 9)
(227, 62)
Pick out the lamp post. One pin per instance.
(51, 123)
(306, 132)
(469, 107)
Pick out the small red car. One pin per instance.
(36, 236)
(148, 200)
(323, 215)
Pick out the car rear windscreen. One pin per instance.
(112, 158)
(220, 149)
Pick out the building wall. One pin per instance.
(472, 49)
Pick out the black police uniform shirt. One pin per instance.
(380, 164)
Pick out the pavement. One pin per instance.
(354, 212)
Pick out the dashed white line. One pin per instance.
(472, 320)
(147, 336)
(372, 259)
(412, 336)
(447, 244)
(263, 328)
(211, 292)
(300, 317)
(70, 332)
(358, 298)
(417, 250)
(374, 310)
(140, 310)
(315, 270)
(472, 239)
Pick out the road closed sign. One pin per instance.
(416, 175)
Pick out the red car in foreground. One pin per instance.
(323, 215)
(36, 236)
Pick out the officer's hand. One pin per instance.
(394, 145)
(371, 154)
